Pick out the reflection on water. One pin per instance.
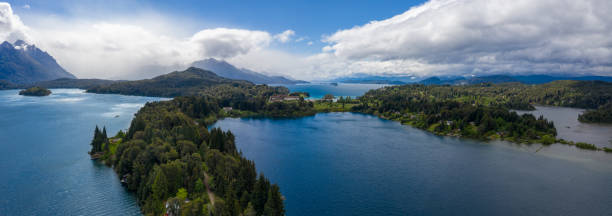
(569, 128)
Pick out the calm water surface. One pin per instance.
(328, 164)
(317, 91)
(354, 164)
(43, 154)
(569, 128)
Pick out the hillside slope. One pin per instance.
(178, 83)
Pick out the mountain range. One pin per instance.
(224, 69)
(374, 79)
(527, 79)
(22, 63)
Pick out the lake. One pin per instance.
(356, 164)
(328, 164)
(569, 128)
(318, 90)
(43, 153)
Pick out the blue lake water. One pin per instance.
(342, 89)
(328, 164)
(43, 154)
(355, 164)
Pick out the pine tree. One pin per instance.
(95, 143)
(105, 140)
(274, 204)
(260, 194)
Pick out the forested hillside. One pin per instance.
(169, 156)
(579, 94)
(456, 118)
(179, 83)
(601, 115)
(73, 83)
(483, 110)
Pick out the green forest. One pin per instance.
(474, 119)
(176, 164)
(484, 111)
(603, 114)
(170, 159)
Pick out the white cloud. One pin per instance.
(124, 51)
(226, 43)
(285, 36)
(492, 36)
(26, 6)
(11, 27)
(107, 50)
(440, 37)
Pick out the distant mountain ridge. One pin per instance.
(224, 69)
(374, 79)
(22, 63)
(177, 83)
(526, 79)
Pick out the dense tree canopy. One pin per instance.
(171, 159)
(35, 91)
(168, 156)
(601, 115)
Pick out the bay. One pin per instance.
(43, 153)
(318, 90)
(356, 164)
(569, 128)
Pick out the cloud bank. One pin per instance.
(439, 37)
(127, 51)
(11, 27)
(120, 50)
(488, 36)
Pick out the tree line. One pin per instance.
(168, 156)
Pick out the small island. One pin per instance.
(35, 91)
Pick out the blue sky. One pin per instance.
(318, 40)
(309, 19)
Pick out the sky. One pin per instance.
(318, 40)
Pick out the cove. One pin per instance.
(356, 164)
(318, 90)
(43, 153)
(569, 128)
